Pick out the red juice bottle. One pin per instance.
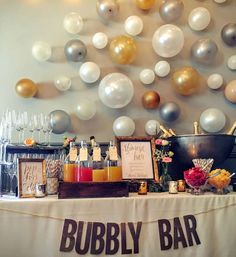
(84, 164)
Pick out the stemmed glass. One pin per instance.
(25, 122)
(31, 126)
(49, 129)
(5, 136)
(11, 172)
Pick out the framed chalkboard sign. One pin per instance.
(138, 159)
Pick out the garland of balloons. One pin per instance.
(116, 90)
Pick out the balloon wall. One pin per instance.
(120, 67)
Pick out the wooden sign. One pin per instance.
(30, 173)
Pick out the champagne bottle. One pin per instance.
(172, 132)
(196, 130)
(231, 131)
(165, 131)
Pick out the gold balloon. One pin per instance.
(145, 4)
(150, 100)
(186, 80)
(26, 88)
(123, 50)
(230, 91)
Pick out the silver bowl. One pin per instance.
(189, 147)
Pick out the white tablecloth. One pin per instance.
(157, 224)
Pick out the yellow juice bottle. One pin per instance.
(98, 164)
(113, 168)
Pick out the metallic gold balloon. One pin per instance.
(145, 4)
(230, 91)
(151, 100)
(186, 80)
(123, 50)
(26, 88)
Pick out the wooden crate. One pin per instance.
(92, 189)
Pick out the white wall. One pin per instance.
(22, 22)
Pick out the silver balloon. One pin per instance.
(212, 120)
(75, 50)
(107, 9)
(169, 111)
(152, 127)
(116, 90)
(204, 50)
(228, 34)
(123, 126)
(60, 121)
(171, 10)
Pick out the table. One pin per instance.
(157, 224)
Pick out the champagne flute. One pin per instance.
(49, 129)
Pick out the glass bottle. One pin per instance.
(69, 166)
(113, 169)
(84, 164)
(98, 164)
(165, 177)
(92, 142)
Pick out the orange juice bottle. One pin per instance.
(70, 165)
(113, 169)
(98, 164)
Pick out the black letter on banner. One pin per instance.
(124, 249)
(135, 235)
(165, 234)
(78, 248)
(97, 236)
(191, 229)
(112, 237)
(68, 234)
(178, 234)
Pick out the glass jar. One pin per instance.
(113, 169)
(84, 164)
(98, 164)
(69, 167)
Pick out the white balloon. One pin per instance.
(152, 127)
(123, 126)
(162, 68)
(89, 72)
(86, 109)
(168, 40)
(147, 76)
(199, 18)
(41, 51)
(100, 40)
(220, 1)
(215, 81)
(231, 63)
(212, 120)
(73, 23)
(133, 25)
(62, 83)
(116, 90)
